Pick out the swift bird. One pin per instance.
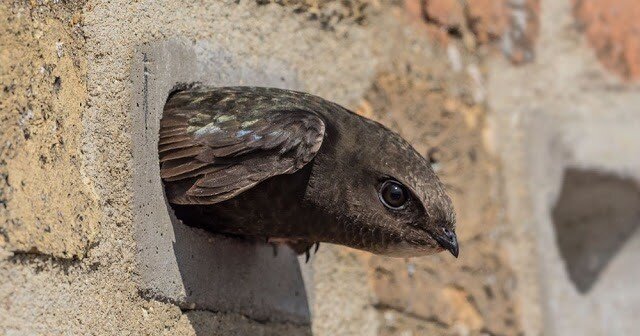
(292, 167)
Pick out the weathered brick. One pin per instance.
(46, 206)
(612, 27)
(488, 19)
(447, 13)
(474, 294)
(522, 32)
(512, 22)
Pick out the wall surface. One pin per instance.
(527, 116)
(568, 131)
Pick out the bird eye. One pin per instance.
(393, 195)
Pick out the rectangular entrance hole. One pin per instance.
(188, 266)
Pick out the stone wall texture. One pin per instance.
(522, 106)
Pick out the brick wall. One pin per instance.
(482, 88)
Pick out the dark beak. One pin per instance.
(448, 240)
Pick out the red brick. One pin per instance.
(612, 28)
(481, 22)
(446, 13)
(488, 19)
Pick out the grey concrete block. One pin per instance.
(184, 265)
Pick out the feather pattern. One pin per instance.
(215, 144)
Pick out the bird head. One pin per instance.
(384, 195)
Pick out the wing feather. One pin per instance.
(219, 143)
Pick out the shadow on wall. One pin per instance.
(239, 276)
(596, 213)
(206, 324)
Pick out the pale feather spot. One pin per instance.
(199, 99)
(242, 133)
(199, 118)
(207, 129)
(225, 118)
(249, 123)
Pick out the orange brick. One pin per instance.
(448, 13)
(612, 30)
(488, 19)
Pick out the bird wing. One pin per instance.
(216, 144)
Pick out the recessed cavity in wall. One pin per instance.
(184, 265)
(596, 213)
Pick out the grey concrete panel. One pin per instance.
(181, 264)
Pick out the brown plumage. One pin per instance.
(293, 167)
